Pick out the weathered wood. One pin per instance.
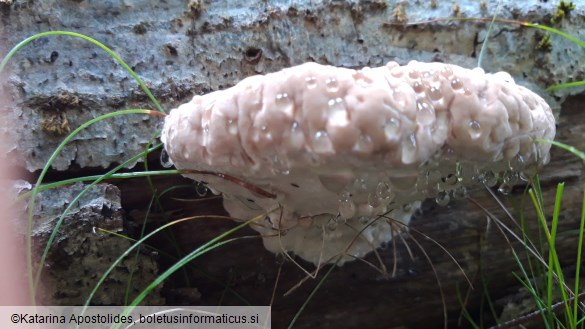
(81, 252)
(179, 52)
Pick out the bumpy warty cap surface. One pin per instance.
(338, 146)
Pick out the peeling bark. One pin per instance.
(83, 249)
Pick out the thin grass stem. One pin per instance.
(33, 282)
(110, 52)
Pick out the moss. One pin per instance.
(141, 28)
(55, 121)
(544, 43)
(399, 14)
(562, 11)
(195, 7)
(567, 7)
(359, 10)
(456, 9)
(375, 4)
(56, 124)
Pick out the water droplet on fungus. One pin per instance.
(392, 129)
(311, 82)
(165, 160)
(425, 114)
(474, 129)
(332, 85)
(456, 84)
(322, 142)
(338, 115)
(443, 198)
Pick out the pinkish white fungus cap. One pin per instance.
(339, 147)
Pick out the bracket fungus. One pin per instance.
(342, 154)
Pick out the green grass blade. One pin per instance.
(93, 41)
(540, 304)
(578, 269)
(579, 154)
(551, 266)
(535, 196)
(210, 245)
(312, 294)
(129, 175)
(124, 254)
(160, 207)
(566, 36)
(488, 33)
(34, 282)
(154, 199)
(566, 85)
(486, 294)
(73, 202)
(137, 254)
(555, 31)
(554, 255)
(464, 312)
(166, 254)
